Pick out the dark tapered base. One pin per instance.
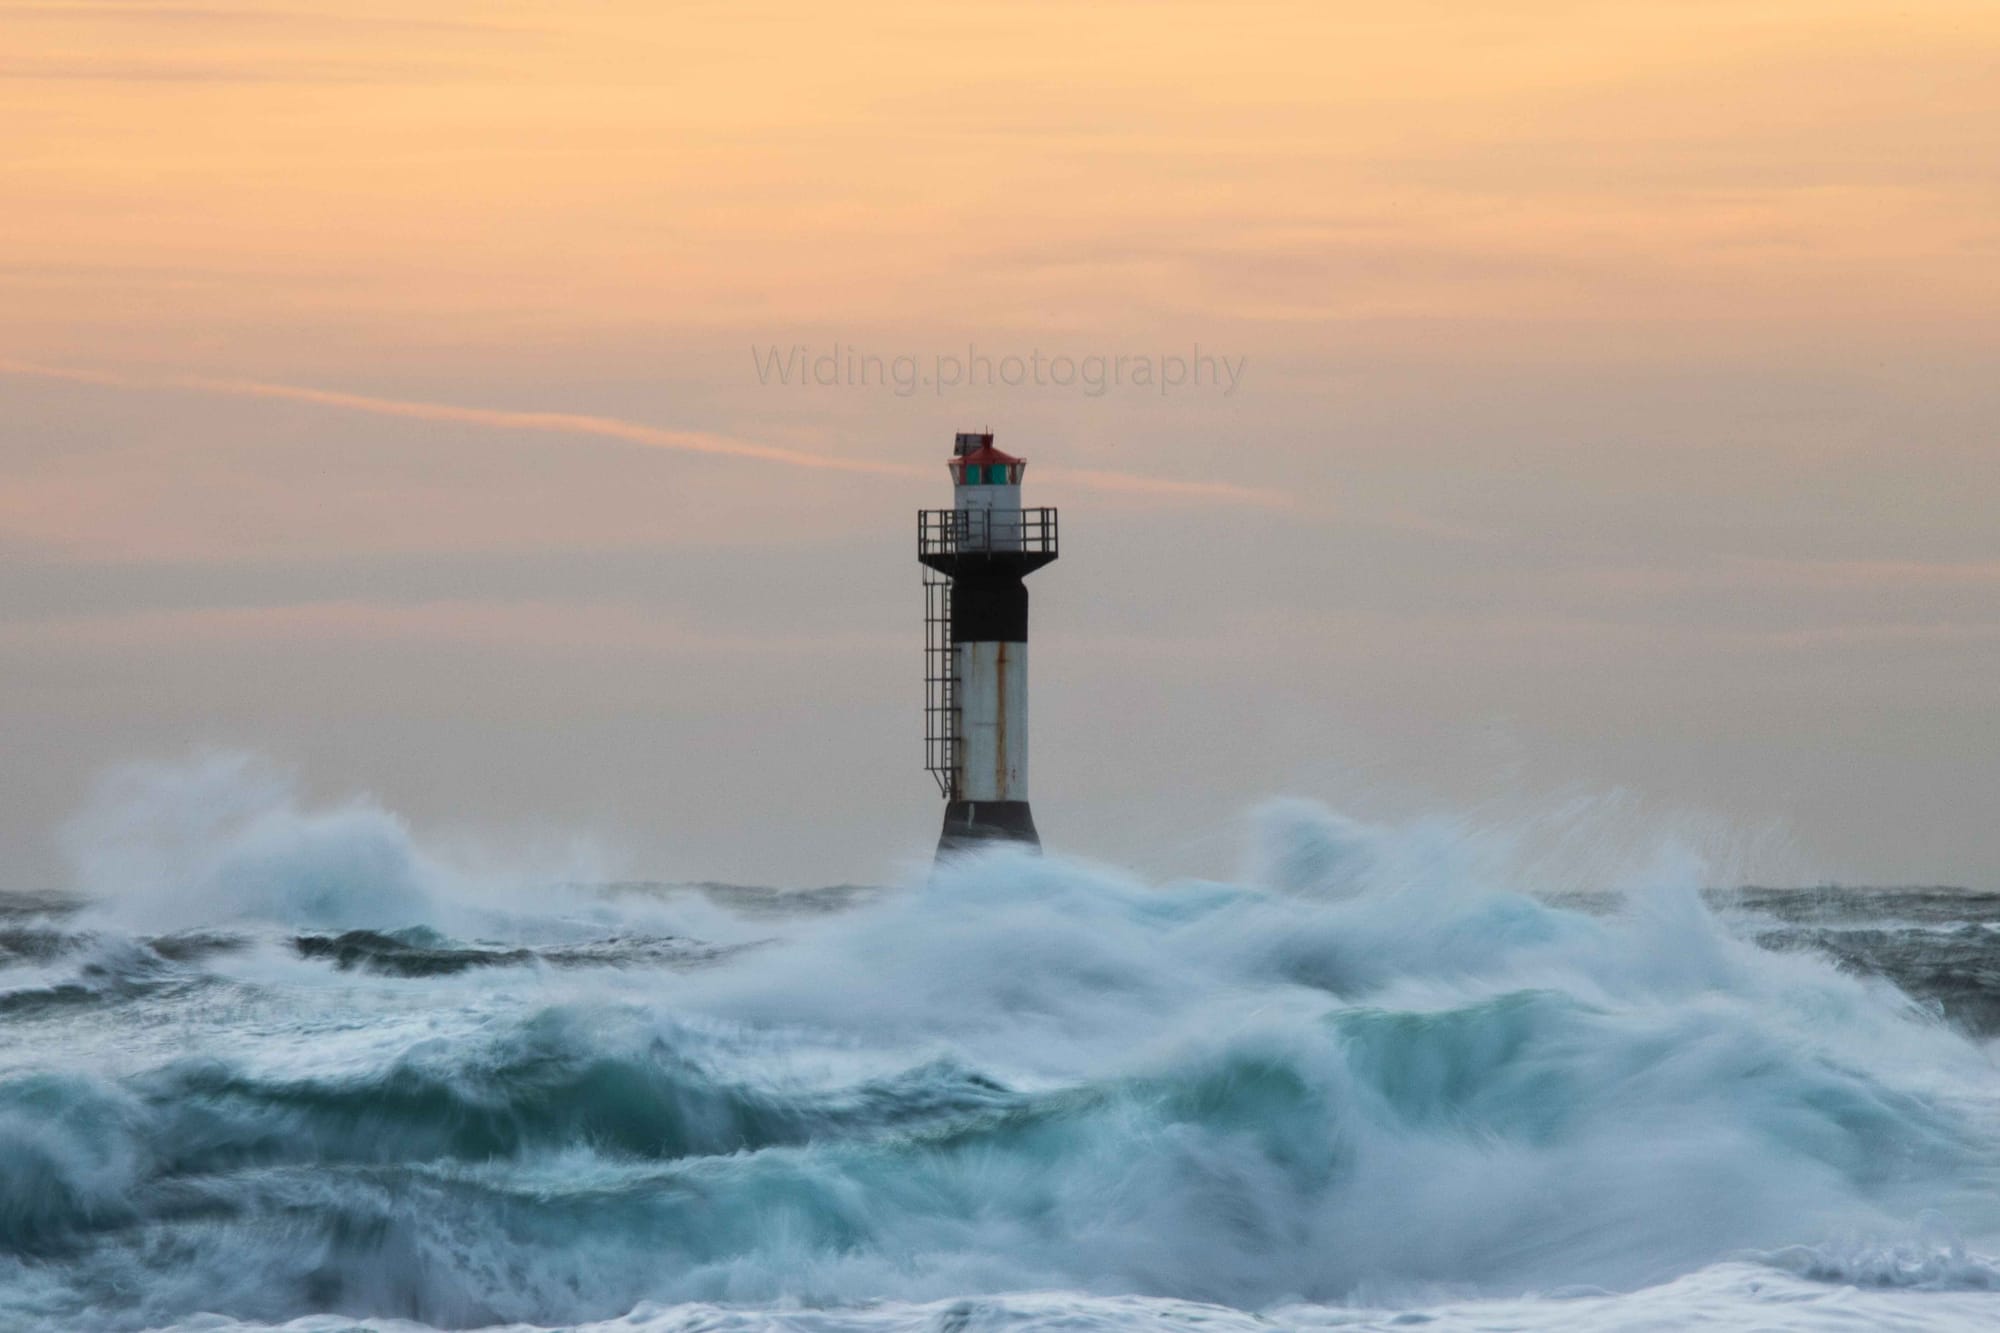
(970, 825)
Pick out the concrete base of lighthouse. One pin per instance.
(971, 825)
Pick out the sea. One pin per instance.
(266, 1064)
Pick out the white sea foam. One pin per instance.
(1728, 1298)
(1377, 1081)
(223, 838)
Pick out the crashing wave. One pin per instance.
(1371, 1076)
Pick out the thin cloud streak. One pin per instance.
(548, 423)
(612, 428)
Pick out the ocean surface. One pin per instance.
(264, 1065)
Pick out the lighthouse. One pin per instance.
(975, 556)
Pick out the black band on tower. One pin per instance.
(969, 825)
(989, 610)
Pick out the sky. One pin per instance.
(1561, 415)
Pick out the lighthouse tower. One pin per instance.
(975, 555)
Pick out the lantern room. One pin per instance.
(983, 477)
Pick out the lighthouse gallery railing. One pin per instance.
(986, 532)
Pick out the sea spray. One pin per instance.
(1377, 1073)
(222, 837)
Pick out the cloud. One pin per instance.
(242, 44)
(550, 423)
(615, 428)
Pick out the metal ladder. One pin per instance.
(940, 684)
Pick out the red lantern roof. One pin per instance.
(985, 453)
(975, 462)
(971, 446)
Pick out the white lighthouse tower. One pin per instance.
(975, 556)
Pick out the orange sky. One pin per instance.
(1565, 322)
(260, 188)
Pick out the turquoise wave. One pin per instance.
(1368, 1078)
